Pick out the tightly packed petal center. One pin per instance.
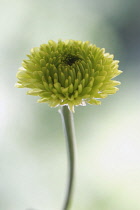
(70, 59)
(69, 73)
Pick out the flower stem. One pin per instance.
(68, 125)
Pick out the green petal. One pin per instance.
(94, 101)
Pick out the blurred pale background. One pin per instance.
(33, 162)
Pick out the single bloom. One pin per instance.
(69, 73)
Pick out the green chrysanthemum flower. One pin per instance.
(69, 73)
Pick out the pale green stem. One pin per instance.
(68, 125)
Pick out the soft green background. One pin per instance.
(33, 164)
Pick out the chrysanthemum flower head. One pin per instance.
(69, 73)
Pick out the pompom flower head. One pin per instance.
(69, 73)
